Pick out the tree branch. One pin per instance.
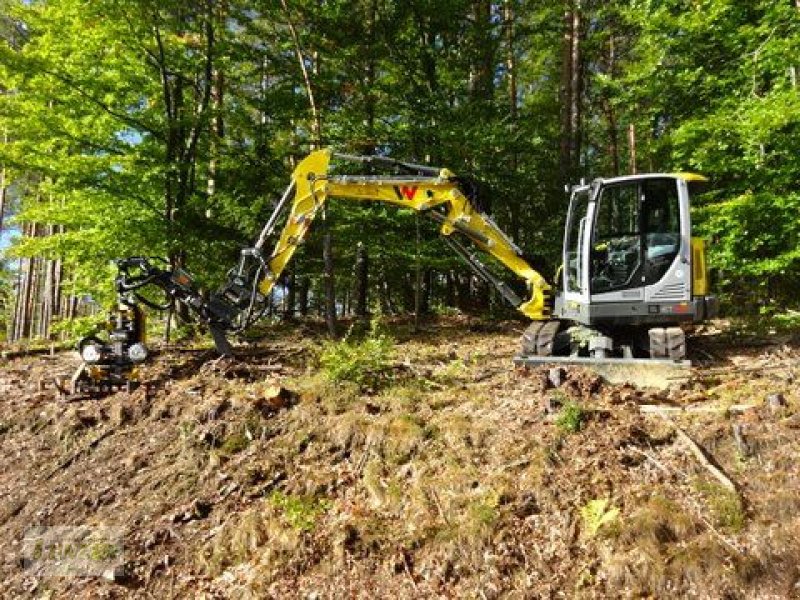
(306, 77)
(102, 105)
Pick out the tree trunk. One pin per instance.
(361, 280)
(427, 290)
(3, 190)
(632, 148)
(316, 119)
(482, 68)
(571, 91)
(385, 293)
(58, 277)
(450, 289)
(18, 301)
(463, 297)
(72, 309)
(610, 113)
(793, 69)
(217, 131)
(577, 89)
(33, 299)
(12, 321)
(183, 124)
(316, 131)
(302, 294)
(370, 70)
(45, 314)
(2, 198)
(291, 295)
(23, 304)
(565, 91)
(483, 294)
(509, 17)
(613, 136)
(330, 284)
(417, 277)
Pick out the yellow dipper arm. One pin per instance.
(313, 187)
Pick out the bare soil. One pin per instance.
(454, 475)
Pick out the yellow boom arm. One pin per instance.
(313, 186)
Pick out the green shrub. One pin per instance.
(362, 361)
(571, 417)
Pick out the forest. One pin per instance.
(375, 438)
(167, 128)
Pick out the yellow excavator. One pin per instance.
(631, 273)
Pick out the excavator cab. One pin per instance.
(629, 259)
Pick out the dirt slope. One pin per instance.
(456, 476)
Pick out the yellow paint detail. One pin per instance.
(699, 269)
(314, 187)
(310, 181)
(690, 176)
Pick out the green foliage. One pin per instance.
(6, 299)
(74, 329)
(716, 91)
(300, 512)
(726, 505)
(756, 250)
(119, 142)
(234, 443)
(788, 321)
(362, 361)
(571, 417)
(597, 514)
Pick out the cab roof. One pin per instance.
(685, 176)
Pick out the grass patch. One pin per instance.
(234, 443)
(299, 512)
(483, 512)
(659, 522)
(571, 418)
(403, 434)
(726, 506)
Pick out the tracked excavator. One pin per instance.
(631, 275)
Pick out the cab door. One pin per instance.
(667, 226)
(575, 250)
(616, 257)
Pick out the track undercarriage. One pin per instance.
(645, 356)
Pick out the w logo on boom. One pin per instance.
(405, 191)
